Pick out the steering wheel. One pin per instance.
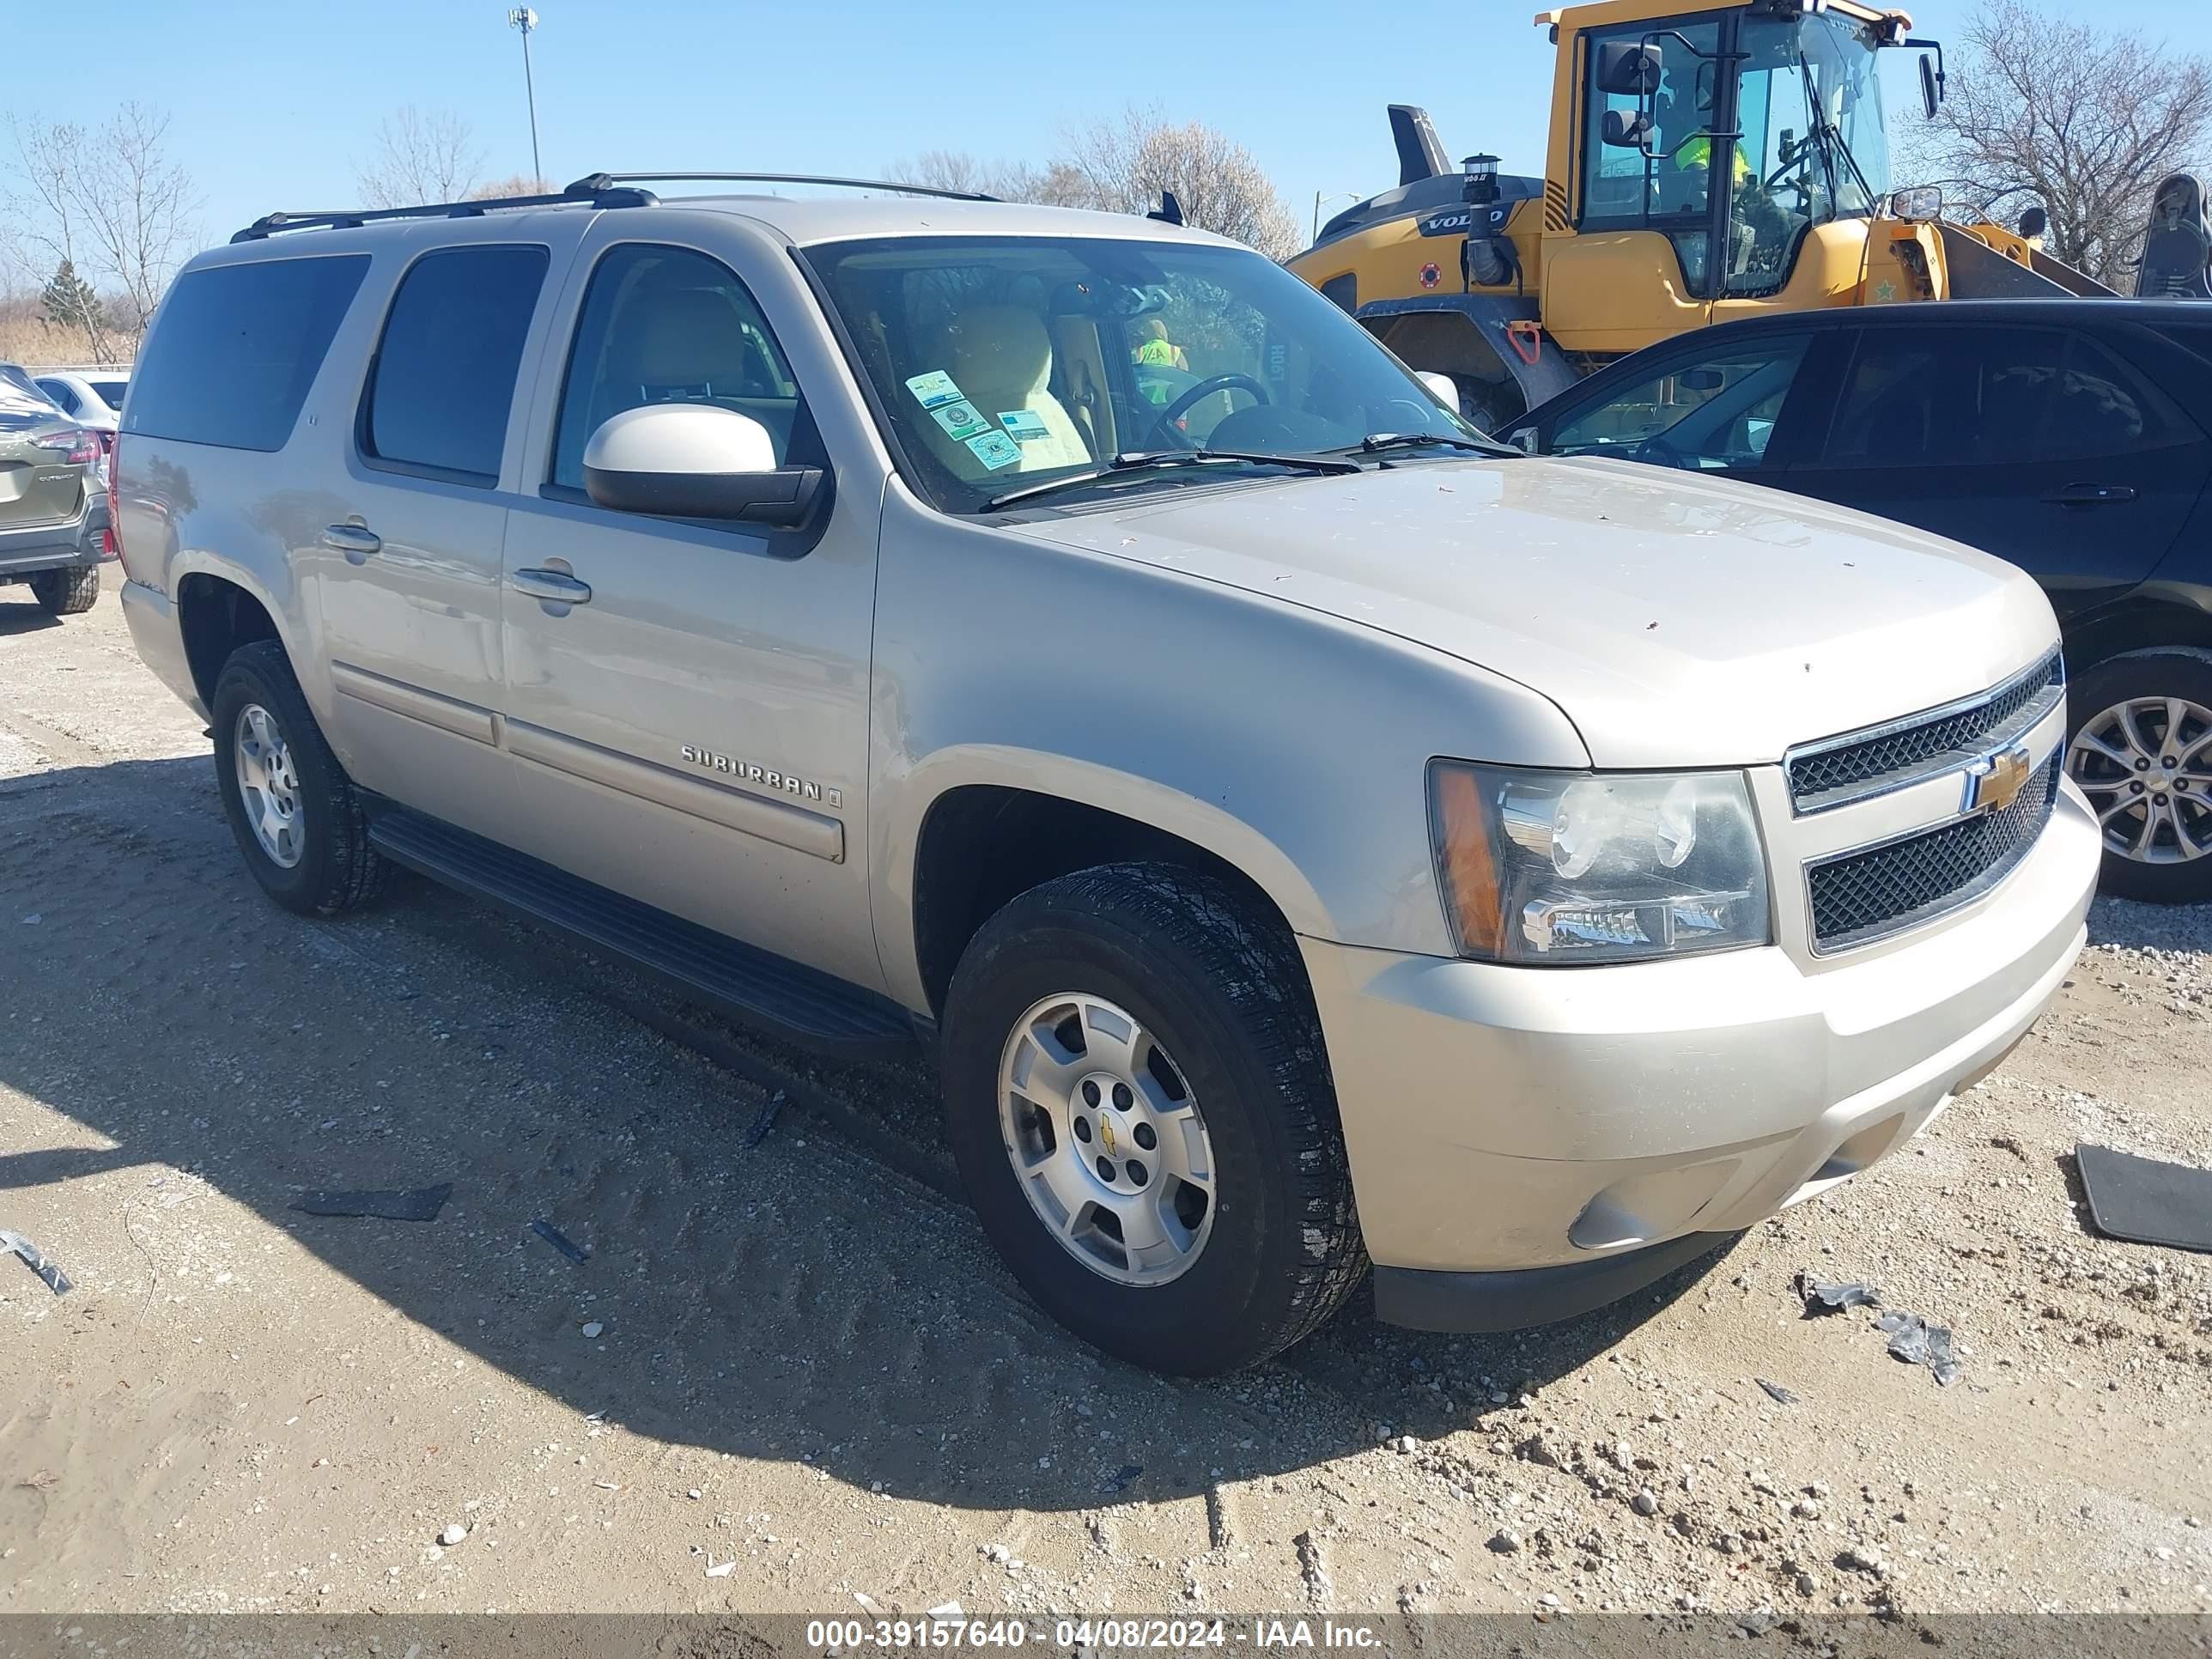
(1164, 428)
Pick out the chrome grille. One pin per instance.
(1836, 771)
(1874, 891)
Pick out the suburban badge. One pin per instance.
(765, 776)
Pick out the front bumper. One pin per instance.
(1504, 1120)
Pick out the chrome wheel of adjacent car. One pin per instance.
(268, 785)
(1106, 1140)
(2146, 766)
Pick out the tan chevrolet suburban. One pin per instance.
(1305, 834)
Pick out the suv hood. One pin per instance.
(1677, 621)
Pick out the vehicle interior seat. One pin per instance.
(691, 345)
(1001, 358)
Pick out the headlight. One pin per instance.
(1560, 867)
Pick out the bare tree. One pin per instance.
(1122, 164)
(1126, 161)
(138, 208)
(2083, 119)
(45, 210)
(516, 184)
(419, 155)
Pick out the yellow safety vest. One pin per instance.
(1699, 153)
(1158, 353)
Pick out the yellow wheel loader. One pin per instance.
(1706, 162)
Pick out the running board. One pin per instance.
(753, 988)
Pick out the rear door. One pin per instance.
(1734, 407)
(2038, 445)
(407, 571)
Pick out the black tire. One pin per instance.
(1219, 983)
(69, 592)
(2179, 671)
(1488, 404)
(337, 869)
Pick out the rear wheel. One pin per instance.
(294, 814)
(2141, 749)
(1138, 1097)
(68, 592)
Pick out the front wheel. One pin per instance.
(1137, 1094)
(2140, 746)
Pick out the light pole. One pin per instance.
(1340, 196)
(521, 18)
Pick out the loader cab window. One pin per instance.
(1666, 183)
(1815, 149)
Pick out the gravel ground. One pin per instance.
(791, 1375)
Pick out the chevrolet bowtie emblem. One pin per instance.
(1994, 781)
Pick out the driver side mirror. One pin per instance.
(1931, 86)
(697, 461)
(1625, 130)
(1440, 388)
(1628, 69)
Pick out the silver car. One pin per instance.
(1304, 833)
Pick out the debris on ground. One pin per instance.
(454, 1534)
(560, 1241)
(1121, 1479)
(592, 1328)
(1776, 1392)
(765, 1119)
(1821, 1297)
(1917, 1342)
(2145, 1202)
(419, 1204)
(57, 1281)
(721, 1569)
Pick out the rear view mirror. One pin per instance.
(697, 461)
(1625, 130)
(1628, 69)
(1931, 86)
(1701, 379)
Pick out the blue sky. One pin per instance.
(274, 104)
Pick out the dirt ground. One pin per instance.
(798, 1355)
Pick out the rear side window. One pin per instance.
(1992, 397)
(235, 349)
(444, 379)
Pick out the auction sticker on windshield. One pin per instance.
(934, 389)
(961, 419)
(1024, 426)
(995, 450)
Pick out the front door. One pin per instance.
(688, 702)
(2035, 444)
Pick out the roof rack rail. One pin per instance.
(582, 192)
(603, 181)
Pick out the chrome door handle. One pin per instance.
(2090, 496)
(355, 541)
(554, 587)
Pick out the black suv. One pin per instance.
(2069, 436)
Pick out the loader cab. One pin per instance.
(1733, 134)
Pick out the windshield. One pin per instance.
(1003, 362)
(1813, 148)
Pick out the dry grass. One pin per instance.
(26, 337)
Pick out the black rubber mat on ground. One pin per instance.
(2145, 1202)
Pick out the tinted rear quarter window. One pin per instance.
(444, 380)
(1993, 397)
(235, 349)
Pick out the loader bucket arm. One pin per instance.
(1977, 271)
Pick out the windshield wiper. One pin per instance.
(1376, 442)
(1141, 460)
